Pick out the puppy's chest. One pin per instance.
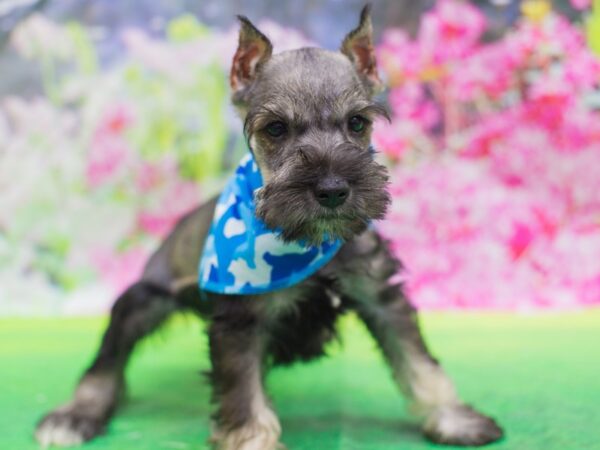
(359, 269)
(300, 322)
(304, 299)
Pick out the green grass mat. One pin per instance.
(539, 376)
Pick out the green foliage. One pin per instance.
(593, 28)
(85, 55)
(185, 28)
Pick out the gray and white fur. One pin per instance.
(307, 115)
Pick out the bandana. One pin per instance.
(242, 256)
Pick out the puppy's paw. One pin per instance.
(247, 438)
(66, 427)
(261, 434)
(461, 425)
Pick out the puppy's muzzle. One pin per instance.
(332, 192)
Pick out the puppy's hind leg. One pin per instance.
(137, 312)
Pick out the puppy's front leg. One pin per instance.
(244, 419)
(393, 323)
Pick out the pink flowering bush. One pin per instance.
(496, 152)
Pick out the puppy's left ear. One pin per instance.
(254, 49)
(358, 46)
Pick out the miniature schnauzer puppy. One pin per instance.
(307, 118)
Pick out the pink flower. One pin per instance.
(108, 155)
(116, 119)
(451, 30)
(520, 240)
(485, 135)
(154, 174)
(149, 176)
(176, 200)
(582, 71)
(396, 138)
(109, 152)
(156, 224)
(581, 4)
(408, 102)
(400, 58)
(119, 269)
(547, 104)
(472, 79)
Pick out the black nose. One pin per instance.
(332, 192)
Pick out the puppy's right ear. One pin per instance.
(254, 49)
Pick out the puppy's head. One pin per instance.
(307, 116)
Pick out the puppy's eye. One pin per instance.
(276, 129)
(357, 124)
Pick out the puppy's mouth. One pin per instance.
(307, 222)
(329, 215)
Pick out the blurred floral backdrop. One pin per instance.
(494, 148)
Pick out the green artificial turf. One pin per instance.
(539, 376)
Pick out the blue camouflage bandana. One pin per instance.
(242, 256)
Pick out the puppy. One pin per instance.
(286, 249)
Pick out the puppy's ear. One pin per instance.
(254, 49)
(358, 46)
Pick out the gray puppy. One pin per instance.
(307, 116)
